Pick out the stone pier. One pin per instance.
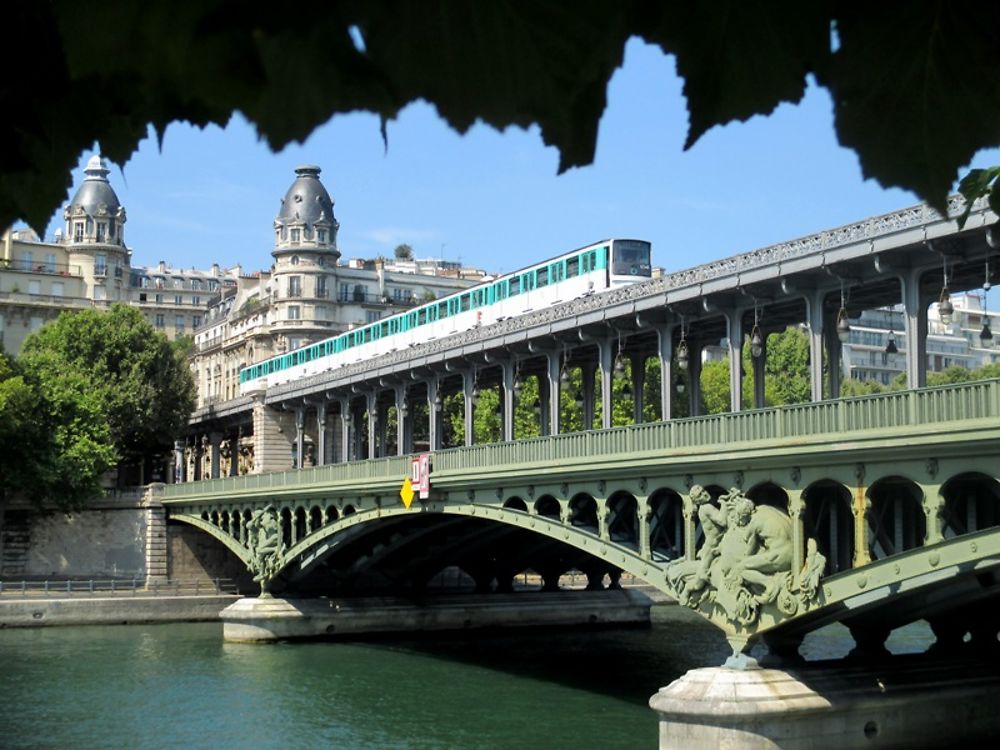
(907, 702)
(272, 619)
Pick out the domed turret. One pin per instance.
(95, 215)
(306, 220)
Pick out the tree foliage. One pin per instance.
(403, 252)
(914, 86)
(110, 388)
(56, 439)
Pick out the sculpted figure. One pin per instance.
(264, 543)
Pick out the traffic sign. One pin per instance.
(406, 492)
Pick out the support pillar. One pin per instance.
(606, 362)
(507, 397)
(180, 468)
(915, 310)
(345, 430)
(433, 414)
(814, 305)
(272, 438)
(372, 402)
(468, 385)
(215, 446)
(553, 361)
(665, 339)
(734, 336)
(321, 433)
(300, 436)
(402, 418)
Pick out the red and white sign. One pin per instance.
(420, 474)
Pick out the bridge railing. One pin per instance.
(925, 406)
(976, 400)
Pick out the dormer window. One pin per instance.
(78, 231)
(321, 235)
(296, 233)
(101, 226)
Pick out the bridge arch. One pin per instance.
(515, 503)
(666, 524)
(769, 493)
(896, 519)
(547, 506)
(828, 518)
(971, 503)
(623, 518)
(583, 512)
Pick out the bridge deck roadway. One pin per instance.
(620, 499)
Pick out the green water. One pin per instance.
(180, 686)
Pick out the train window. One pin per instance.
(631, 258)
(541, 277)
(514, 286)
(572, 267)
(464, 300)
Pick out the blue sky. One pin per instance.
(494, 200)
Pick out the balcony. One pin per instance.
(48, 269)
(364, 298)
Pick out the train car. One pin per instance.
(588, 270)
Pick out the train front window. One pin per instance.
(631, 258)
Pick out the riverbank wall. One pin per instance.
(38, 612)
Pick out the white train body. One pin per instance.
(588, 270)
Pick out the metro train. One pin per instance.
(588, 270)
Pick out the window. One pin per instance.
(100, 231)
(371, 316)
(142, 296)
(295, 260)
(295, 233)
(195, 321)
(159, 299)
(78, 231)
(294, 312)
(26, 260)
(159, 320)
(101, 265)
(321, 235)
(50, 262)
(178, 282)
(57, 289)
(179, 323)
(294, 286)
(321, 287)
(34, 287)
(100, 292)
(178, 299)
(111, 229)
(196, 300)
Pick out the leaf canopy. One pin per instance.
(915, 86)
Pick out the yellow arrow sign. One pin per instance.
(406, 492)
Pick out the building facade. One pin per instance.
(308, 294)
(88, 265)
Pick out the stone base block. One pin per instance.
(259, 620)
(913, 703)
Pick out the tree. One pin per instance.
(403, 252)
(140, 384)
(56, 440)
(914, 88)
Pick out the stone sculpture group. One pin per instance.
(265, 545)
(745, 561)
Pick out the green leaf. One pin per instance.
(916, 90)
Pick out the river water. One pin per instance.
(181, 686)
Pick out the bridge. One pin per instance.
(874, 511)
